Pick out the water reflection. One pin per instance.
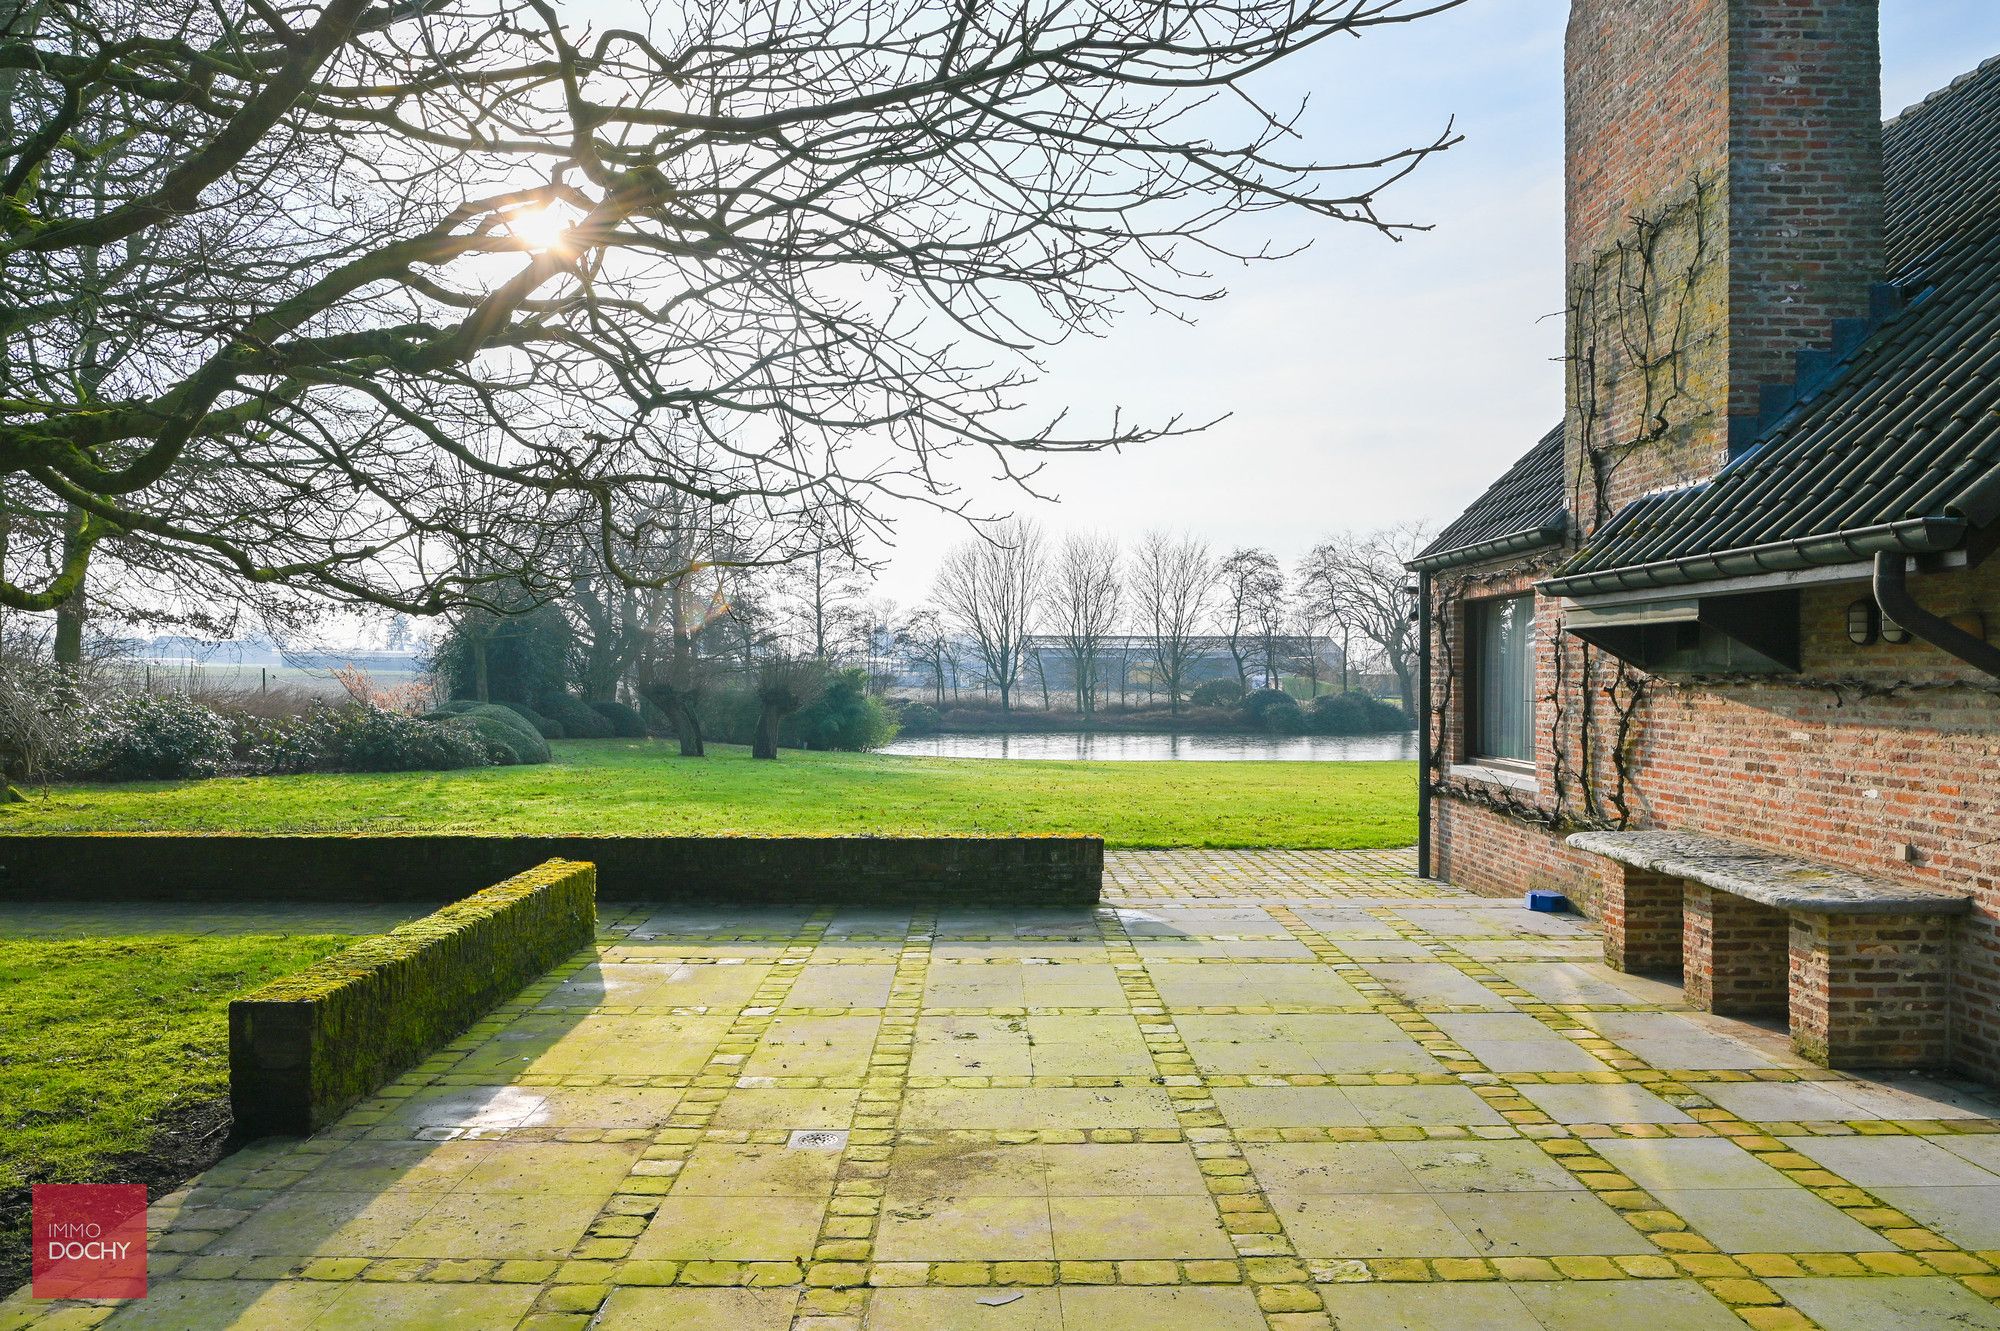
(1157, 748)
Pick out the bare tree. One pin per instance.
(787, 259)
(1309, 623)
(824, 597)
(1085, 598)
(991, 590)
(1250, 584)
(1272, 610)
(1173, 582)
(1361, 583)
(925, 644)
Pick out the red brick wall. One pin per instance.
(1489, 852)
(1867, 751)
(1724, 209)
(1647, 137)
(1805, 184)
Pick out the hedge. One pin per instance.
(968, 871)
(304, 1048)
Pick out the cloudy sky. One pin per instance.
(1367, 382)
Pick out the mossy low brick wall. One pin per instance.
(728, 870)
(303, 1048)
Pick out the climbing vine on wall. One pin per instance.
(1593, 707)
(1633, 309)
(1634, 364)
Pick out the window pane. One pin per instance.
(1503, 679)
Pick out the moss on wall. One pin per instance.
(305, 1047)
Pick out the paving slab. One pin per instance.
(1255, 1091)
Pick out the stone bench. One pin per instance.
(1860, 965)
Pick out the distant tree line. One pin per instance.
(1169, 616)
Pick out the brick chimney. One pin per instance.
(1724, 212)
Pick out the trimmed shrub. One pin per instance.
(1274, 710)
(578, 719)
(545, 726)
(625, 722)
(303, 1048)
(1354, 714)
(368, 739)
(153, 737)
(918, 718)
(354, 738)
(844, 716)
(509, 739)
(1216, 693)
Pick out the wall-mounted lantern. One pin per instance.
(1894, 632)
(1864, 622)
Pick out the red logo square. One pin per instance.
(90, 1241)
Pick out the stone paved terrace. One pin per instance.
(1272, 1091)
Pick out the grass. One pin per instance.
(634, 787)
(114, 1058)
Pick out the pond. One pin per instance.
(1156, 748)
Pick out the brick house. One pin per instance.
(1782, 413)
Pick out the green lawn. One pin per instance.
(633, 787)
(114, 1058)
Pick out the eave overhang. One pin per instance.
(1912, 536)
(1499, 547)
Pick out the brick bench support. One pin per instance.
(1736, 953)
(1640, 912)
(1871, 991)
(1861, 966)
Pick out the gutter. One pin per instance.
(1423, 720)
(1892, 594)
(1979, 502)
(1528, 538)
(1912, 536)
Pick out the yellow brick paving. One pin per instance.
(1254, 1091)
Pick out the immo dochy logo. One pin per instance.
(90, 1241)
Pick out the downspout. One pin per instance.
(1892, 594)
(1423, 719)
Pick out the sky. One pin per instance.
(1367, 382)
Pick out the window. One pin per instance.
(1501, 691)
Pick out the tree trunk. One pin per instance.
(1407, 687)
(71, 613)
(68, 648)
(687, 728)
(766, 743)
(479, 677)
(679, 705)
